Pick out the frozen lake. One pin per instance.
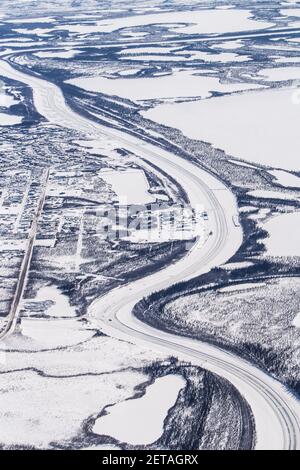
(284, 235)
(140, 421)
(246, 126)
(180, 84)
(186, 22)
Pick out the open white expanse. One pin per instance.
(60, 303)
(6, 101)
(284, 235)
(131, 186)
(56, 55)
(37, 31)
(291, 11)
(219, 57)
(189, 22)
(247, 126)
(286, 179)
(146, 50)
(171, 54)
(9, 119)
(280, 74)
(241, 287)
(285, 60)
(296, 321)
(233, 44)
(32, 20)
(181, 84)
(140, 421)
(49, 334)
(266, 194)
(38, 403)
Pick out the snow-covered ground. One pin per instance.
(153, 54)
(68, 54)
(261, 127)
(280, 73)
(32, 20)
(242, 287)
(181, 84)
(284, 235)
(37, 31)
(72, 383)
(140, 421)
(185, 22)
(6, 100)
(60, 306)
(285, 178)
(291, 11)
(284, 60)
(9, 119)
(265, 194)
(49, 334)
(59, 370)
(296, 321)
(131, 186)
(240, 265)
(104, 146)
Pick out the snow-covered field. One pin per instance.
(176, 103)
(181, 84)
(286, 179)
(70, 383)
(280, 73)
(59, 303)
(131, 186)
(243, 316)
(186, 22)
(6, 101)
(49, 334)
(9, 119)
(57, 55)
(284, 235)
(161, 54)
(140, 421)
(261, 127)
(296, 321)
(261, 193)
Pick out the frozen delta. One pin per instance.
(149, 227)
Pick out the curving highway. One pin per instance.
(276, 411)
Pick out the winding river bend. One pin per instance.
(276, 411)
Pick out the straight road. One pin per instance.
(12, 318)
